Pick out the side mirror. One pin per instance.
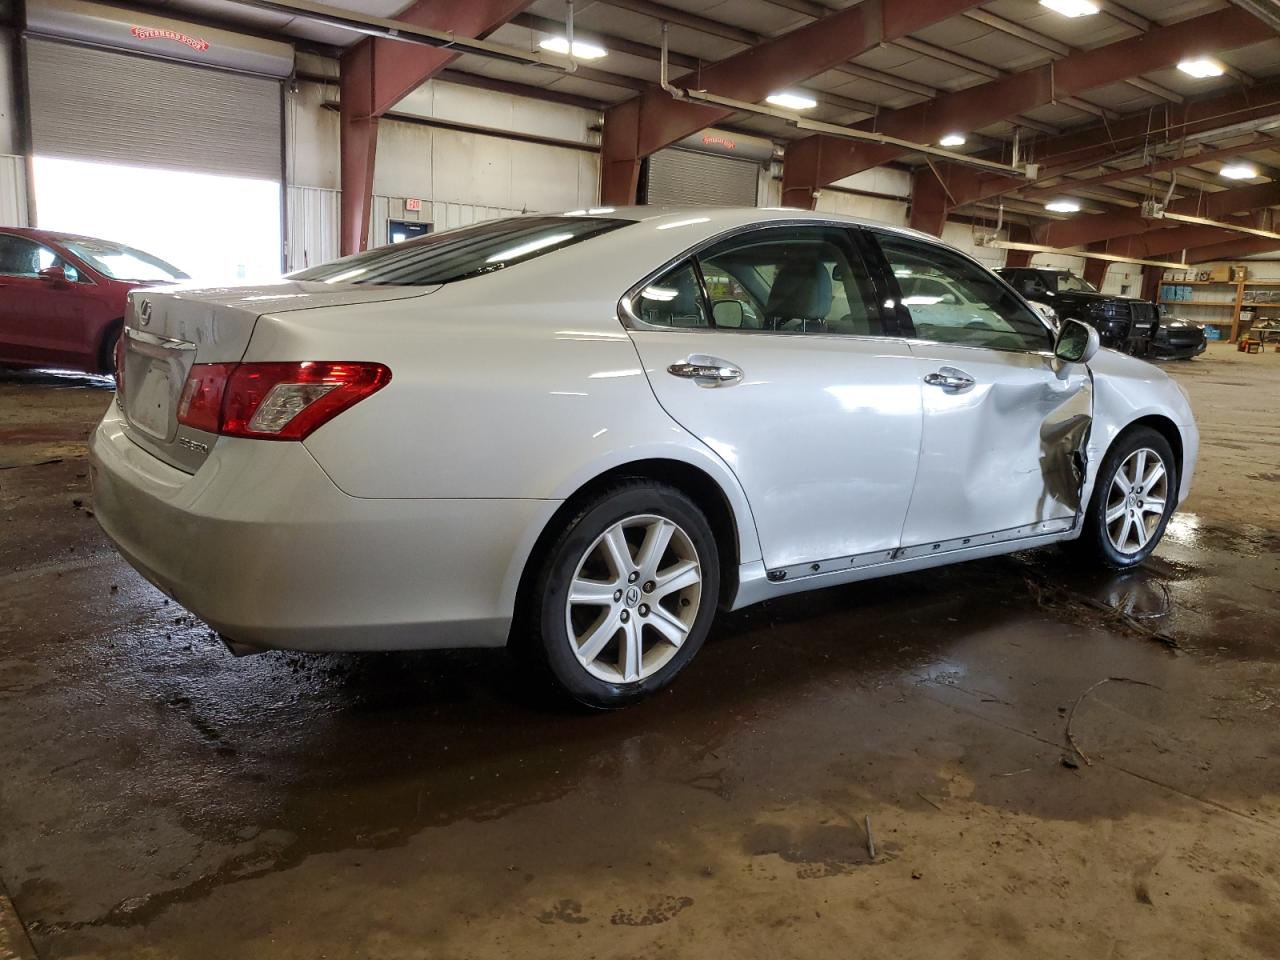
(1077, 342)
(55, 274)
(727, 313)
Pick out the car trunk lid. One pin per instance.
(167, 331)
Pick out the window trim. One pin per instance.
(629, 318)
(904, 312)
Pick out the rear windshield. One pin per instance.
(461, 253)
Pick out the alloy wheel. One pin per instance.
(1136, 500)
(634, 597)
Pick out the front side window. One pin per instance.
(791, 280)
(462, 253)
(952, 300)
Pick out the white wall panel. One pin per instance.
(13, 192)
(460, 176)
(871, 208)
(312, 236)
(9, 112)
(311, 132)
(879, 180)
(963, 236)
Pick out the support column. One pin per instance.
(358, 144)
(800, 173)
(1095, 271)
(620, 155)
(928, 202)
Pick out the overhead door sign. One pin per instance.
(159, 33)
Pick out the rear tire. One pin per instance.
(625, 594)
(1133, 498)
(108, 360)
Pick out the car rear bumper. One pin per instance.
(264, 547)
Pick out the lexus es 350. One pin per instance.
(583, 434)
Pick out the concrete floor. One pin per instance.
(161, 799)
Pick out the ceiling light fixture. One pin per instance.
(952, 140)
(1063, 206)
(1238, 171)
(792, 101)
(1202, 67)
(1072, 8)
(581, 49)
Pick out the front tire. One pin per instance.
(1133, 498)
(625, 594)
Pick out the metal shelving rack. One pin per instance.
(1236, 289)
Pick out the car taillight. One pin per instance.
(274, 401)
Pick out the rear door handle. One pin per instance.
(706, 371)
(949, 378)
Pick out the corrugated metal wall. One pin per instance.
(312, 234)
(13, 192)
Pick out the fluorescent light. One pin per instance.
(1201, 67)
(530, 247)
(792, 101)
(581, 49)
(1063, 206)
(1238, 171)
(952, 140)
(1072, 8)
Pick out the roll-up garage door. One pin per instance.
(686, 177)
(98, 105)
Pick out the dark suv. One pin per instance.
(1122, 322)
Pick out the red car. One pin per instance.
(62, 297)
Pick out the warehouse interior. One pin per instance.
(1006, 758)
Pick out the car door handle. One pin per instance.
(706, 371)
(949, 378)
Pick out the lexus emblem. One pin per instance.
(144, 312)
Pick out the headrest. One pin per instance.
(801, 291)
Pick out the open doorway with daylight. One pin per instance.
(217, 229)
(172, 143)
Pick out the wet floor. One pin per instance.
(159, 798)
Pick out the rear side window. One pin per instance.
(791, 280)
(673, 300)
(459, 254)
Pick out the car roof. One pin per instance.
(729, 217)
(55, 236)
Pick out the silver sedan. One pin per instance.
(580, 435)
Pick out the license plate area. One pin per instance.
(155, 372)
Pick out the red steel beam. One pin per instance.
(376, 74)
(1162, 244)
(1098, 143)
(1233, 250)
(1087, 228)
(1069, 184)
(968, 110)
(647, 123)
